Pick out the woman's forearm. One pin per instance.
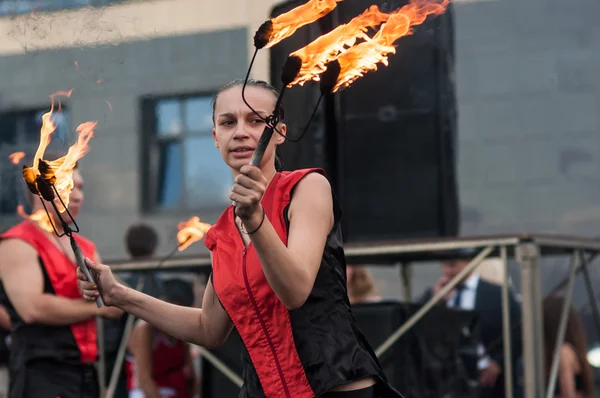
(184, 323)
(287, 277)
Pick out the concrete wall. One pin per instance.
(134, 49)
(526, 72)
(529, 124)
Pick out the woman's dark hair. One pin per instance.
(575, 335)
(260, 84)
(141, 240)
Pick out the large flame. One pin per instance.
(16, 157)
(59, 171)
(191, 231)
(286, 24)
(365, 56)
(328, 47)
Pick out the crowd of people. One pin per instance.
(278, 276)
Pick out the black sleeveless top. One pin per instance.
(331, 347)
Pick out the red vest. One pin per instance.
(168, 366)
(261, 319)
(62, 273)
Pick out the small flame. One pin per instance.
(286, 24)
(365, 56)
(328, 47)
(16, 157)
(40, 217)
(191, 231)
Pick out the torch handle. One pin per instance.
(261, 147)
(81, 262)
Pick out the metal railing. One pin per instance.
(526, 249)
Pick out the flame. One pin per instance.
(286, 24)
(60, 171)
(48, 127)
(328, 47)
(16, 157)
(191, 231)
(40, 217)
(365, 56)
(64, 166)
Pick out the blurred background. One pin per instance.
(485, 122)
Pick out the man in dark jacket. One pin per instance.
(485, 299)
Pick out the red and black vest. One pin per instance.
(294, 354)
(72, 344)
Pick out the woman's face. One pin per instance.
(238, 129)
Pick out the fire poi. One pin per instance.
(340, 57)
(188, 232)
(52, 181)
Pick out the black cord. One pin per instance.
(273, 120)
(244, 86)
(171, 254)
(309, 122)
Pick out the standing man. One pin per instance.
(485, 299)
(54, 343)
(141, 242)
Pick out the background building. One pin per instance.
(528, 96)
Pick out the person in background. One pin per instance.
(5, 325)
(141, 242)
(575, 378)
(361, 285)
(160, 366)
(484, 298)
(53, 331)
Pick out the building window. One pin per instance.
(183, 169)
(16, 7)
(21, 133)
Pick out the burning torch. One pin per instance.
(43, 186)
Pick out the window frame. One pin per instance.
(21, 145)
(149, 159)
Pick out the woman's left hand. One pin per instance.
(248, 190)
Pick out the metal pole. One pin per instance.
(217, 363)
(433, 301)
(101, 364)
(527, 255)
(114, 377)
(508, 381)
(592, 295)
(405, 274)
(562, 326)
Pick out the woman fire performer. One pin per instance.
(278, 271)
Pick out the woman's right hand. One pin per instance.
(112, 291)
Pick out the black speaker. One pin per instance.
(214, 383)
(388, 141)
(317, 147)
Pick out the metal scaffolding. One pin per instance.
(525, 249)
